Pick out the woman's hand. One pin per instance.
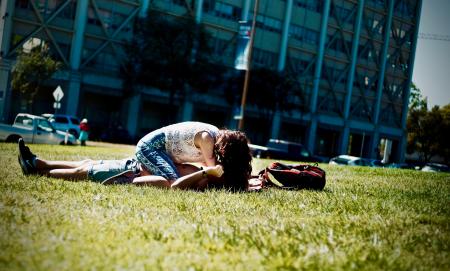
(216, 171)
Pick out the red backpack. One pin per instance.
(294, 176)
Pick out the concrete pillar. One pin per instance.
(285, 35)
(5, 90)
(317, 74)
(351, 77)
(73, 93)
(6, 15)
(245, 10)
(134, 107)
(198, 11)
(74, 83)
(405, 106)
(375, 140)
(311, 140)
(276, 125)
(187, 110)
(144, 8)
(345, 136)
(78, 35)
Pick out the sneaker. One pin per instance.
(26, 158)
(25, 151)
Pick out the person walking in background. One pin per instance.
(84, 132)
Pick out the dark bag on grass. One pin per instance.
(294, 176)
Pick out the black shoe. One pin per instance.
(26, 158)
(25, 151)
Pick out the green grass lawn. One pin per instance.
(366, 218)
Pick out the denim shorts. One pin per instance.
(152, 154)
(110, 168)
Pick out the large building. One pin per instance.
(353, 61)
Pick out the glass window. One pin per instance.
(61, 120)
(45, 125)
(222, 10)
(74, 121)
(24, 121)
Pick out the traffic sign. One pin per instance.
(56, 105)
(58, 94)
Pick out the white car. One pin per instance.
(435, 167)
(349, 160)
(64, 123)
(34, 129)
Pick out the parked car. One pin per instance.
(401, 165)
(435, 167)
(34, 129)
(284, 150)
(349, 160)
(64, 123)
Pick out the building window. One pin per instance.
(379, 4)
(343, 14)
(179, 2)
(303, 34)
(264, 58)
(222, 10)
(220, 47)
(313, 5)
(267, 23)
(403, 9)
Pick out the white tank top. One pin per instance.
(180, 140)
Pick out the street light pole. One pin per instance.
(247, 72)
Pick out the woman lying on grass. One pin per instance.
(161, 150)
(125, 171)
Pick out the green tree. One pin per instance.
(416, 100)
(268, 90)
(444, 148)
(31, 71)
(171, 54)
(424, 132)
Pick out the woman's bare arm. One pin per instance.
(197, 179)
(152, 180)
(206, 144)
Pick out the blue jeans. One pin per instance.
(152, 154)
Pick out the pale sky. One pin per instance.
(432, 63)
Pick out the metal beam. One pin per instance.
(380, 84)
(406, 93)
(387, 31)
(351, 77)
(317, 73)
(198, 11)
(285, 35)
(78, 36)
(320, 53)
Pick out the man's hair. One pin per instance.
(232, 152)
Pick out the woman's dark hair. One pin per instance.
(232, 152)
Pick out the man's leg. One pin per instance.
(42, 164)
(71, 174)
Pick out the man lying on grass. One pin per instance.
(116, 171)
(125, 171)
